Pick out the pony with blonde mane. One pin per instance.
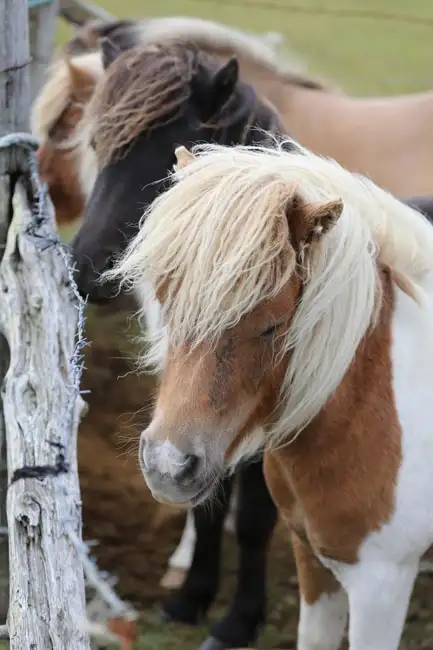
(55, 115)
(295, 308)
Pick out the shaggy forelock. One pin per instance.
(145, 85)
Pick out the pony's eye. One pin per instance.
(269, 331)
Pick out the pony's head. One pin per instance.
(265, 267)
(151, 99)
(55, 115)
(225, 251)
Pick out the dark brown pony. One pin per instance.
(76, 69)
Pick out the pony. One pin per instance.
(71, 79)
(149, 98)
(295, 304)
(55, 115)
(100, 239)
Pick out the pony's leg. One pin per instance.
(190, 603)
(180, 560)
(379, 592)
(324, 604)
(255, 521)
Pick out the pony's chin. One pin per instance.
(200, 497)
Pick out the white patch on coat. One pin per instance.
(379, 586)
(322, 625)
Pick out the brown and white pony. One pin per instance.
(296, 315)
(72, 77)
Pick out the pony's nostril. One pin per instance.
(189, 468)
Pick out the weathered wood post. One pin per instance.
(40, 404)
(42, 28)
(14, 109)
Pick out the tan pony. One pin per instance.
(72, 78)
(296, 315)
(55, 114)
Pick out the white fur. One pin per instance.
(154, 325)
(322, 625)
(380, 584)
(181, 557)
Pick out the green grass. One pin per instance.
(365, 56)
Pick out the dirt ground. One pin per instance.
(136, 535)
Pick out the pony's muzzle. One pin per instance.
(172, 475)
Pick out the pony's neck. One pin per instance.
(335, 449)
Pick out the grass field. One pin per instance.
(364, 55)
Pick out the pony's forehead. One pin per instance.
(146, 85)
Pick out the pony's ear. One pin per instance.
(214, 92)
(183, 157)
(110, 52)
(81, 80)
(309, 222)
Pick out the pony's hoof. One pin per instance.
(211, 643)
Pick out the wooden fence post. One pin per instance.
(14, 114)
(42, 27)
(40, 401)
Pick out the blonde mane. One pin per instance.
(209, 35)
(217, 242)
(55, 95)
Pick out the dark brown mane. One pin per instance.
(148, 86)
(143, 87)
